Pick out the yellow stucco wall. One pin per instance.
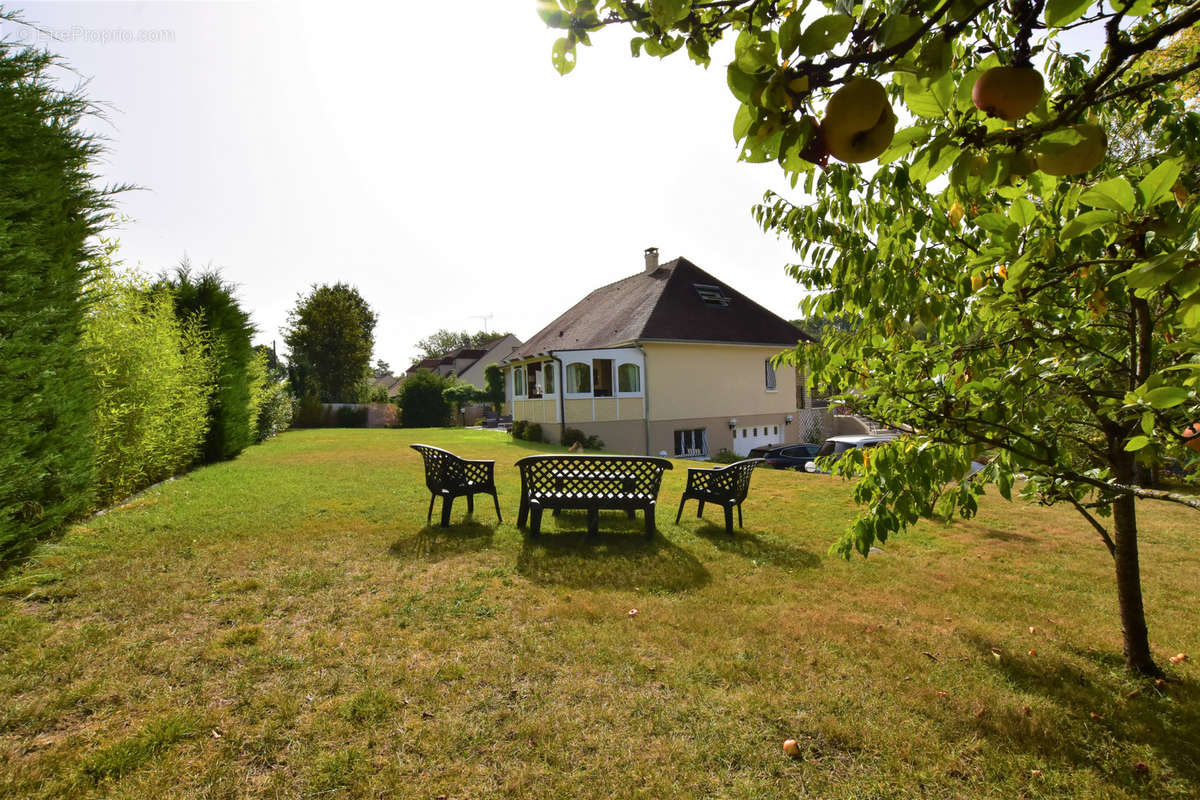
(689, 381)
(536, 410)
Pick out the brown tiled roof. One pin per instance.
(662, 305)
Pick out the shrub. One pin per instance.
(308, 411)
(725, 457)
(50, 210)
(213, 304)
(351, 417)
(573, 436)
(421, 402)
(518, 428)
(151, 379)
(533, 432)
(276, 412)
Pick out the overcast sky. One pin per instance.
(425, 152)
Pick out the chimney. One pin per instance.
(651, 259)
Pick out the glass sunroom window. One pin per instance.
(519, 381)
(602, 375)
(629, 378)
(579, 378)
(548, 377)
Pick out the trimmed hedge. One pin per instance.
(49, 210)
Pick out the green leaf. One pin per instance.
(825, 34)
(897, 28)
(1167, 396)
(1137, 443)
(752, 53)
(1114, 194)
(1064, 12)
(1022, 211)
(741, 122)
(1087, 222)
(562, 56)
(742, 84)
(667, 12)
(789, 34)
(922, 102)
(1148, 423)
(1156, 187)
(992, 221)
(551, 14)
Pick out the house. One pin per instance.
(468, 363)
(669, 360)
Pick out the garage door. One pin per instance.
(745, 439)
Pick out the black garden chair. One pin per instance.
(725, 486)
(449, 476)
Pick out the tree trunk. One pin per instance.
(1129, 581)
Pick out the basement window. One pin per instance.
(712, 295)
(691, 442)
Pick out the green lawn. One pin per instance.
(286, 625)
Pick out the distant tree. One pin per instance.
(493, 391)
(213, 304)
(382, 369)
(459, 395)
(330, 333)
(422, 404)
(441, 342)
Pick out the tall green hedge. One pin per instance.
(212, 303)
(152, 376)
(50, 206)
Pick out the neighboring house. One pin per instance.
(670, 360)
(389, 383)
(468, 363)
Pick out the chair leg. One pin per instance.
(700, 509)
(429, 514)
(496, 500)
(649, 514)
(680, 512)
(631, 513)
(729, 520)
(447, 503)
(593, 521)
(535, 523)
(522, 512)
(470, 504)
(740, 525)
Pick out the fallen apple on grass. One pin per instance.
(859, 122)
(792, 748)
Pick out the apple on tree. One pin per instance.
(1008, 92)
(859, 122)
(1083, 156)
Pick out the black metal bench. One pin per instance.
(449, 476)
(619, 483)
(725, 486)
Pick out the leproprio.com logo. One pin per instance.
(82, 34)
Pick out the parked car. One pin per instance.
(787, 456)
(837, 445)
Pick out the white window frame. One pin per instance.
(637, 375)
(519, 381)
(689, 437)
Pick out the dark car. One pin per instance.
(787, 456)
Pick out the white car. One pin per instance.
(836, 445)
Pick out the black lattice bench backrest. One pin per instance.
(591, 477)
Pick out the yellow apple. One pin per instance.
(1080, 157)
(1008, 92)
(791, 747)
(859, 123)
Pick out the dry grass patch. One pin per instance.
(287, 625)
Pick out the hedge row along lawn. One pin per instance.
(286, 625)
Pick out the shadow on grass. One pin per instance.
(1131, 712)
(433, 543)
(748, 545)
(618, 557)
(1006, 536)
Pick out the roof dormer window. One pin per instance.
(712, 295)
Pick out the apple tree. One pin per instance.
(1023, 288)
